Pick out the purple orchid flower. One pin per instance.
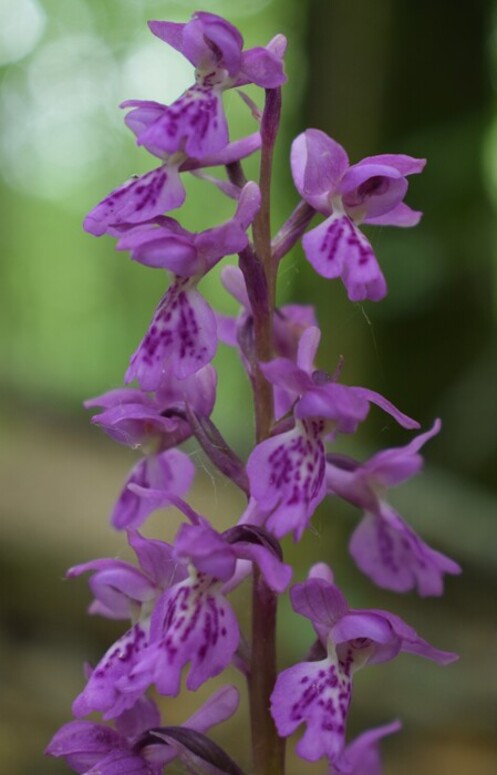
(193, 622)
(154, 482)
(318, 693)
(123, 591)
(183, 336)
(383, 545)
(371, 192)
(287, 472)
(134, 418)
(148, 196)
(290, 321)
(195, 123)
(97, 749)
(362, 756)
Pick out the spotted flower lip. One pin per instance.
(287, 471)
(318, 693)
(145, 197)
(371, 192)
(182, 336)
(383, 545)
(122, 590)
(195, 123)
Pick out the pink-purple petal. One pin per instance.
(102, 692)
(82, 744)
(170, 472)
(412, 643)
(157, 246)
(192, 623)
(262, 67)
(406, 165)
(319, 600)
(206, 550)
(344, 406)
(318, 164)
(318, 695)
(372, 189)
(195, 123)
(218, 708)
(182, 336)
(361, 756)
(276, 573)
(286, 475)
(336, 248)
(375, 398)
(170, 32)
(387, 550)
(401, 215)
(138, 200)
(141, 117)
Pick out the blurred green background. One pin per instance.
(380, 76)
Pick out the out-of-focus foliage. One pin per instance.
(387, 76)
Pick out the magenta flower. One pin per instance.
(193, 621)
(287, 472)
(132, 748)
(383, 545)
(318, 693)
(135, 418)
(123, 591)
(371, 192)
(183, 334)
(148, 196)
(195, 123)
(154, 482)
(290, 321)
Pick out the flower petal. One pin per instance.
(336, 248)
(318, 163)
(102, 692)
(406, 165)
(387, 550)
(286, 476)
(191, 623)
(401, 215)
(262, 67)
(138, 200)
(83, 743)
(361, 757)
(317, 694)
(372, 189)
(170, 32)
(182, 334)
(195, 123)
(170, 472)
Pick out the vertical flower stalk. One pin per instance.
(175, 599)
